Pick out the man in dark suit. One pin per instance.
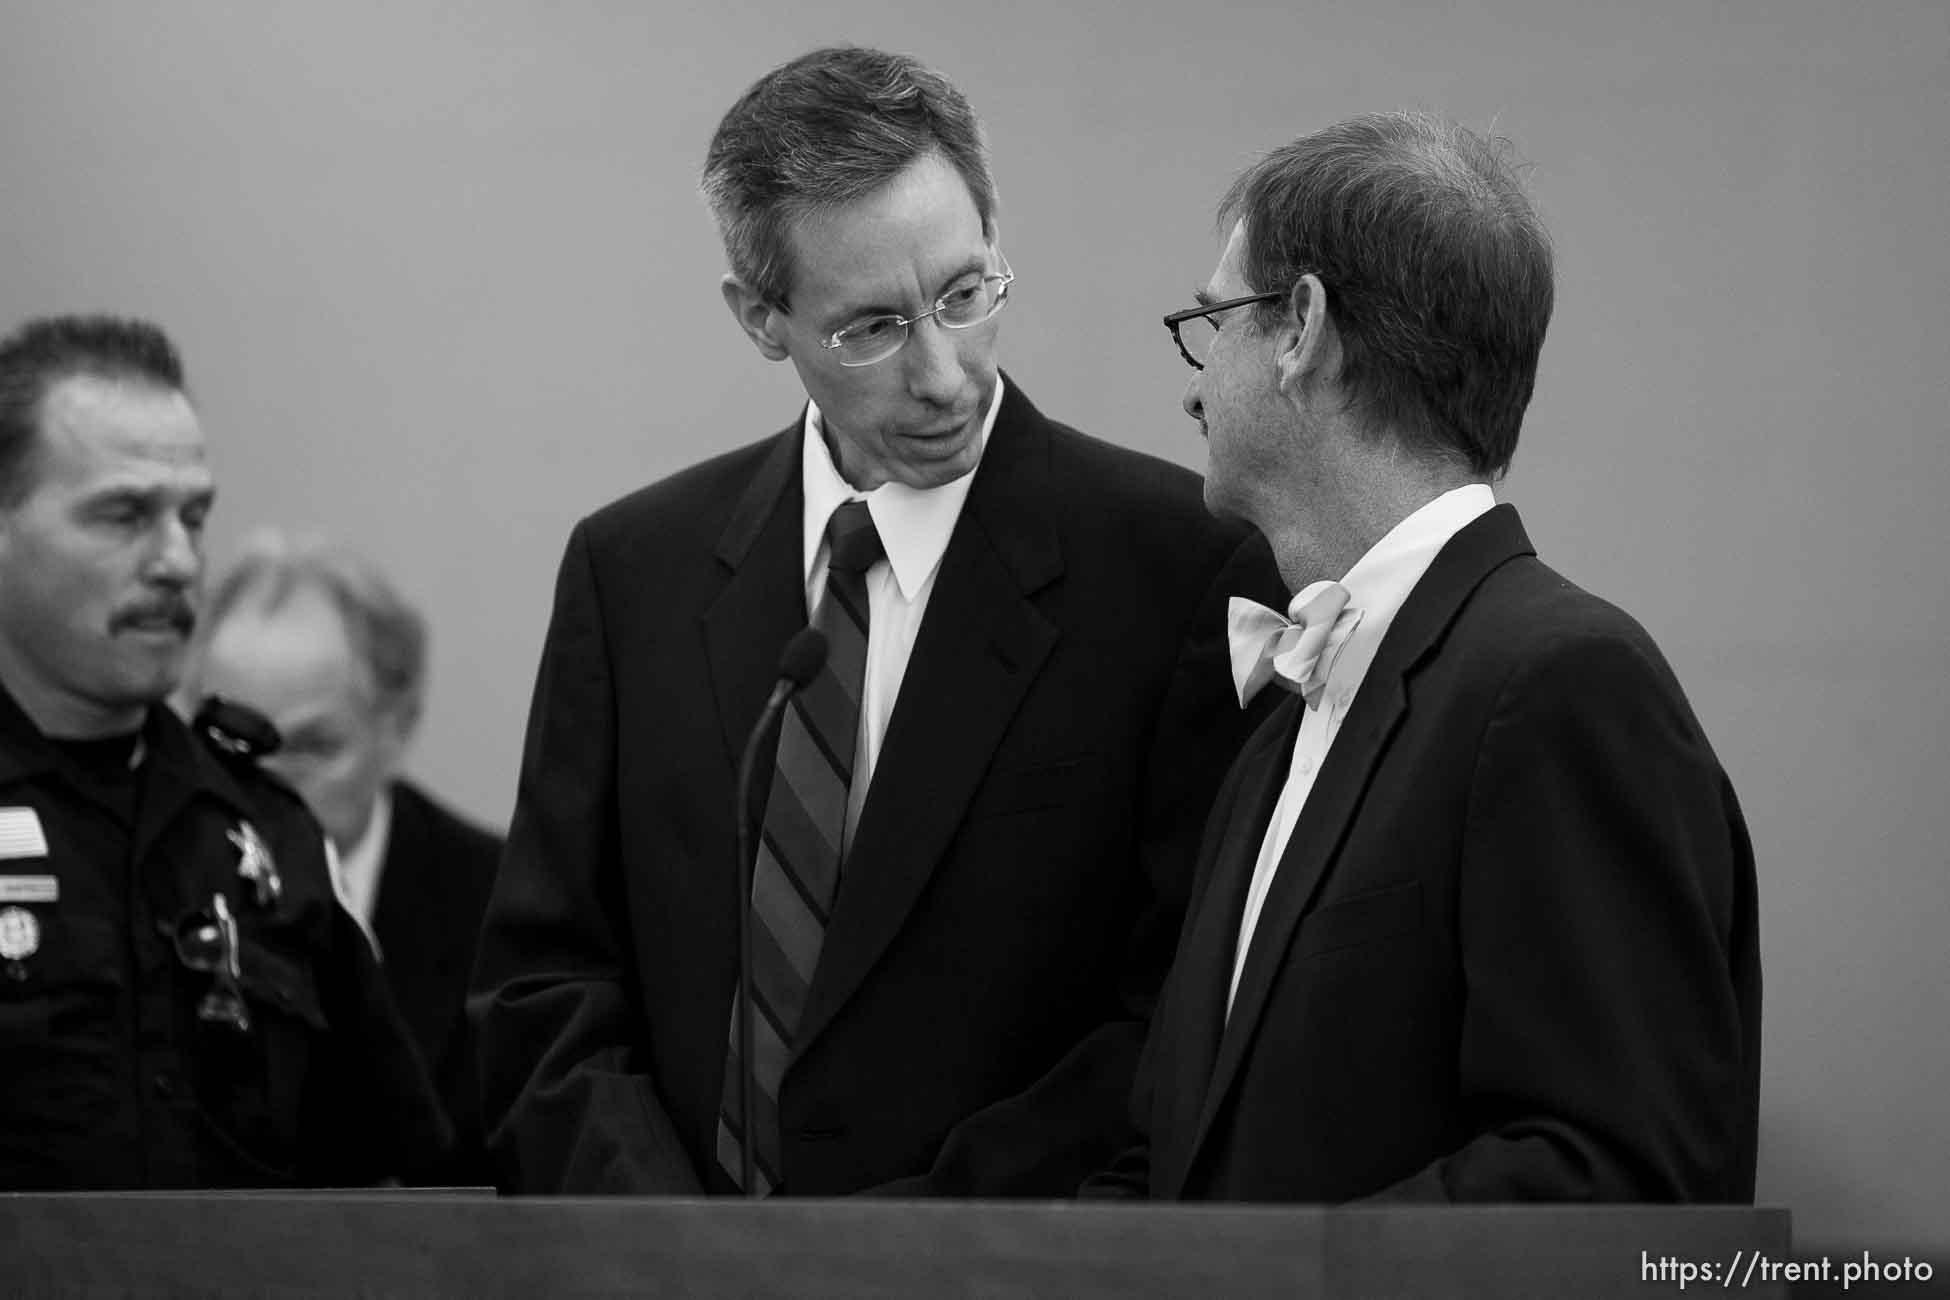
(969, 872)
(1474, 917)
(319, 641)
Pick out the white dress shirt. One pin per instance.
(355, 876)
(914, 526)
(1377, 585)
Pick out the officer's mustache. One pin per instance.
(168, 611)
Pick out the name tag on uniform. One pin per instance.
(29, 889)
(20, 834)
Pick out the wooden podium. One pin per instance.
(408, 1244)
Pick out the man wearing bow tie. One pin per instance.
(1475, 914)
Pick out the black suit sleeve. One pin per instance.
(1074, 1120)
(1602, 1053)
(565, 1098)
(1127, 1176)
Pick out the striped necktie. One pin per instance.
(797, 871)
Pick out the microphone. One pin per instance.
(804, 656)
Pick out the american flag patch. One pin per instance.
(20, 834)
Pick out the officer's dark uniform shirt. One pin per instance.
(183, 1003)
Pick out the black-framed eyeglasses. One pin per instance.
(1194, 329)
(876, 338)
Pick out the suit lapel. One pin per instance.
(400, 912)
(408, 915)
(400, 908)
(1203, 972)
(981, 644)
(764, 599)
(411, 911)
(1414, 637)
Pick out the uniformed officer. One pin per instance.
(183, 1002)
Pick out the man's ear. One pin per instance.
(758, 318)
(1309, 350)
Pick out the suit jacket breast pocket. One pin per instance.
(1360, 919)
(1013, 791)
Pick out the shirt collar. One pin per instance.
(360, 866)
(1380, 581)
(914, 523)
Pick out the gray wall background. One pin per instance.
(444, 285)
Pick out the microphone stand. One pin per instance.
(745, 851)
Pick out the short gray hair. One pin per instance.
(1436, 266)
(822, 131)
(388, 634)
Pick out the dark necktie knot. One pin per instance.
(852, 542)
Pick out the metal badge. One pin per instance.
(255, 865)
(20, 938)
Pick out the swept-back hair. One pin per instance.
(823, 131)
(1436, 266)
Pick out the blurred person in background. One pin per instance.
(319, 641)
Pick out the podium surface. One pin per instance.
(403, 1244)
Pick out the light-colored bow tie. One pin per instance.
(1298, 651)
